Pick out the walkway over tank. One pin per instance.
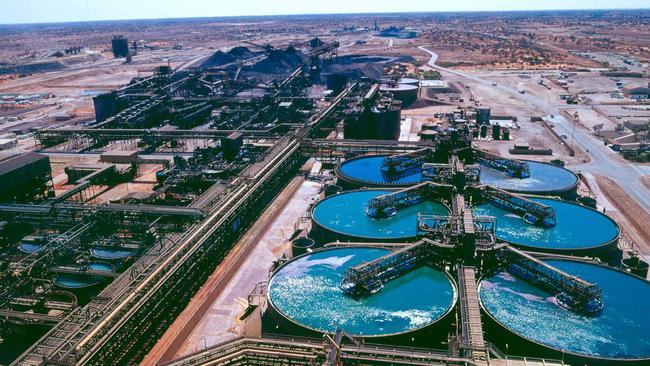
(512, 167)
(368, 278)
(533, 212)
(573, 292)
(387, 204)
(401, 165)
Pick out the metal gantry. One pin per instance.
(512, 167)
(533, 212)
(398, 166)
(388, 204)
(571, 291)
(369, 277)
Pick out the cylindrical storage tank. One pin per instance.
(365, 171)
(407, 94)
(545, 179)
(384, 124)
(301, 245)
(484, 131)
(428, 126)
(506, 134)
(332, 189)
(355, 126)
(579, 230)
(496, 132)
(343, 218)
(409, 81)
(636, 266)
(532, 323)
(483, 115)
(428, 135)
(306, 300)
(336, 82)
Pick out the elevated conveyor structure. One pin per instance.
(472, 340)
(118, 328)
(572, 292)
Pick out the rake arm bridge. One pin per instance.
(388, 204)
(513, 168)
(368, 278)
(398, 166)
(533, 212)
(572, 292)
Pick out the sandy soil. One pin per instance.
(632, 213)
(184, 327)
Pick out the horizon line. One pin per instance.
(331, 14)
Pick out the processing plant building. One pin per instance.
(25, 178)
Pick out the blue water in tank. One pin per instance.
(104, 253)
(98, 266)
(345, 214)
(307, 291)
(30, 248)
(368, 169)
(74, 281)
(577, 227)
(620, 331)
(543, 178)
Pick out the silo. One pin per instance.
(496, 132)
(406, 93)
(483, 115)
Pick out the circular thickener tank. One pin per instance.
(620, 331)
(110, 254)
(75, 281)
(343, 217)
(578, 229)
(366, 171)
(544, 179)
(30, 248)
(101, 267)
(409, 81)
(306, 291)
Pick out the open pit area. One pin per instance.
(363, 189)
